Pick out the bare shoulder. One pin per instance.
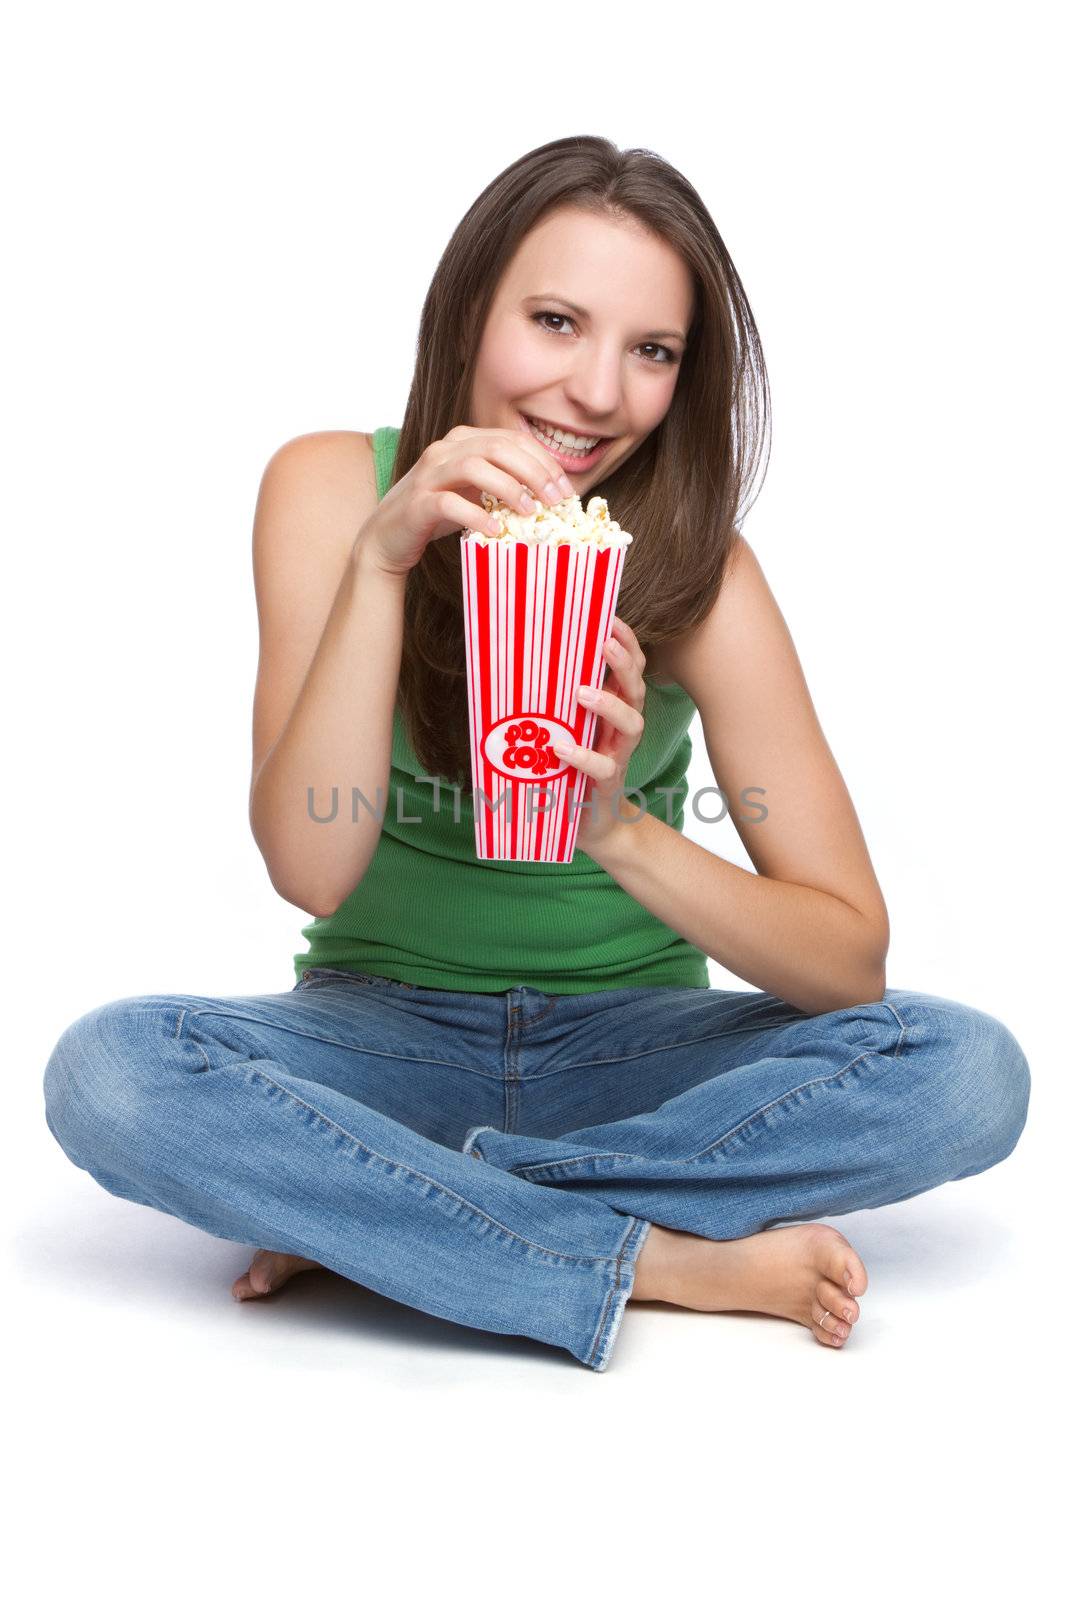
(320, 486)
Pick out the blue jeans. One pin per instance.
(498, 1159)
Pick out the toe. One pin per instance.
(847, 1270)
(845, 1307)
(829, 1327)
(268, 1271)
(825, 1335)
(264, 1271)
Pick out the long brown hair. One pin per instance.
(680, 493)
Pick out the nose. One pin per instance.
(593, 386)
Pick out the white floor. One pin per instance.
(332, 1432)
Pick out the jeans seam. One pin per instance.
(609, 1297)
(319, 976)
(322, 1038)
(655, 1050)
(531, 1022)
(597, 1355)
(681, 1161)
(901, 1024)
(441, 1188)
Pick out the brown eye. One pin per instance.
(557, 316)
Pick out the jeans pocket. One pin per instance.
(313, 977)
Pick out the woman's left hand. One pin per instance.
(619, 707)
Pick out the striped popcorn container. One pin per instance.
(537, 616)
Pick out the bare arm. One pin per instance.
(331, 565)
(811, 925)
(331, 629)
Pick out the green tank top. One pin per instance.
(428, 912)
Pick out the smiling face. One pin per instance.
(602, 362)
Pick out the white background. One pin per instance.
(222, 223)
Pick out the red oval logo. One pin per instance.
(520, 746)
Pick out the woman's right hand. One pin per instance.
(442, 492)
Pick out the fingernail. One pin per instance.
(565, 484)
(525, 504)
(586, 691)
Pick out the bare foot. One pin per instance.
(806, 1271)
(268, 1271)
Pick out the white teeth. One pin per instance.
(572, 443)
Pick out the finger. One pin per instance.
(590, 761)
(532, 465)
(474, 471)
(519, 453)
(530, 446)
(619, 655)
(625, 666)
(454, 511)
(501, 471)
(628, 637)
(618, 712)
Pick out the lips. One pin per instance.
(579, 433)
(574, 465)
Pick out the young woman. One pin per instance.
(504, 1093)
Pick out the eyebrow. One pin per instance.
(658, 333)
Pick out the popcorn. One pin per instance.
(564, 523)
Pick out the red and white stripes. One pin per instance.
(536, 616)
